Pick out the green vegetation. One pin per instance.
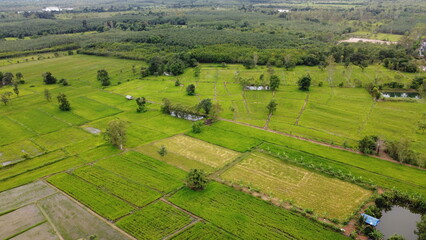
(246, 216)
(325, 196)
(101, 202)
(154, 221)
(281, 108)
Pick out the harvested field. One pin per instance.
(187, 152)
(43, 231)
(20, 220)
(74, 222)
(326, 196)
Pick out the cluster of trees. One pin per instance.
(174, 65)
(7, 78)
(398, 150)
(205, 108)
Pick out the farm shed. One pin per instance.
(370, 220)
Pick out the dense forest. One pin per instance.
(247, 32)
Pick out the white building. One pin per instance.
(51, 9)
(283, 10)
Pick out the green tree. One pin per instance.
(19, 76)
(166, 108)
(197, 71)
(47, 95)
(15, 88)
(421, 228)
(5, 97)
(376, 93)
(272, 107)
(396, 237)
(190, 90)
(141, 102)
(162, 151)
(274, 82)
(177, 83)
(196, 127)
(376, 235)
(64, 104)
(206, 105)
(103, 77)
(116, 133)
(215, 111)
(368, 144)
(48, 78)
(401, 151)
(7, 78)
(304, 82)
(196, 179)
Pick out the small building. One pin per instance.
(129, 97)
(283, 10)
(51, 9)
(370, 220)
(422, 49)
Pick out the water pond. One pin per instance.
(256, 88)
(400, 221)
(401, 95)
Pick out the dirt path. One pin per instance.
(322, 143)
(302, 110)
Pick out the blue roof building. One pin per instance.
(370, 220)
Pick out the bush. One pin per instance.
(196, 179)
(196, 127)
(400, 151)
(368, 144)
(190, 90)
(304, 83)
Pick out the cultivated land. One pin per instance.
(37, 211)
(326, 196)
(143, 193)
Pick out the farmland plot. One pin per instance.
(187, 152)
(326, 196)
(204, 231)
(74, 222)
(18, 151)
(246, 216)
(154, 221)
(116, 185)
(100, 201)
(145, 170)
(20, 220)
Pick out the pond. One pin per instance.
(256, 88)
(187, 116)
(400, 221)
(401, 95)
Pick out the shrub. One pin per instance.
(400, 151)
(196, 127)
(368, 144)
(190, 90)
(196, 179)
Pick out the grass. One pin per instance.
(327, 196)
(144, 170)
(246, 216)
(186, 150)
(17, 151)
(382, 172)
(116, 185)
(155, 221)
(203, 231)
(100, 201)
